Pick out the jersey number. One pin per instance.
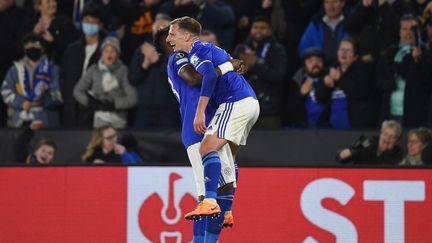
(217, 118)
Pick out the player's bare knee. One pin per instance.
(207, 147)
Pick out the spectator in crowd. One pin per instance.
(402, 77)
(245, 11)
(209, 16)
(157, 107)
(77, 59)
(106, 89)
(417, 141)
(110, 14)
(44, 152)
(12, 19)
(179, 8)
(304, 109)
(104, 149)
(138, 17)
(266, 60)
(209, 13)
(57, 30)
(326, 30)
(297, 15)
(375, 27)
(31, 86)
(276, 12)
(210, 37)
(349, 88)
(382, 150)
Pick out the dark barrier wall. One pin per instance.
(264, 148)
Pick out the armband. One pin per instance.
(226, 67)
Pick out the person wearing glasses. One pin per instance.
(104, 149)
(347, 87)
(416, 143)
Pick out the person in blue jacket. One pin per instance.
(326, 30)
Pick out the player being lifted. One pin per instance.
(236, 102)
(184, 81)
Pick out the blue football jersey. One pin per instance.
(229, 87)
(187, 96)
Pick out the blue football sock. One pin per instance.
(212, 171)
(199, 231)
(225, 200)
(214, 225)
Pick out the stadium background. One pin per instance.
(71, 202)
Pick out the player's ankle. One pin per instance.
(211, 200)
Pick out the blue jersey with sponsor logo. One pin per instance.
(229, 87)
(187, 96)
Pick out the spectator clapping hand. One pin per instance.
(335, 74)
(306, 87)
(36, 125)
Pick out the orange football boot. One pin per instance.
(205, 208)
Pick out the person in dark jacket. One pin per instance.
(43, 153)
(103, 148)
(402, 78)
(78, 57)
(157, 107)
(303, 107)
(382, 150)
(12, 20)
(266, 61)
(326, 30)
(375, 27)
(58, 30)
(349, 88)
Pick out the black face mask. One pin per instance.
(33, 53)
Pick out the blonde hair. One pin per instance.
(188, 24)
(95, 141)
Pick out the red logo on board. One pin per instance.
(163, 221)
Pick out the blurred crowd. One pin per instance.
(338, 64)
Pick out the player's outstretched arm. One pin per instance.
(194, 78)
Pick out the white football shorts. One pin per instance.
(233, 121)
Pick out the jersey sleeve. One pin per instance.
(180, 59)
(200, 57)
(202, 62)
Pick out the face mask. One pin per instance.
(90, 29)
(33, 53)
